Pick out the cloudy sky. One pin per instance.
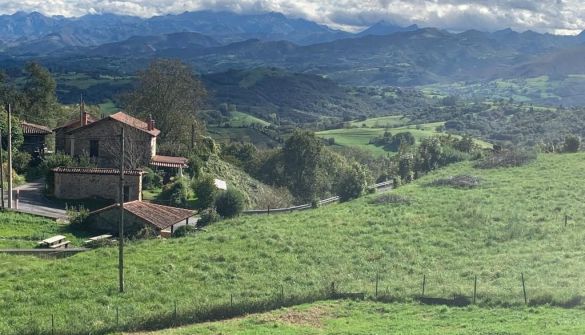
(557, 16)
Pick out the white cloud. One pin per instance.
(543, 15)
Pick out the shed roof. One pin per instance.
(168, 161)
(160, 216)
(35, 129)
(100, 171)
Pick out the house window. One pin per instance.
(126, 193)
(94, 148)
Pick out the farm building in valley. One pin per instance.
(138, 216)
(96, 183)
(35, 138)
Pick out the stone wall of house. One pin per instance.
(75, 186)
(139, 145)
(107, 221)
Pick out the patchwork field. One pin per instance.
(512, 224)
(343, 317)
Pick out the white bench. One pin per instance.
(98, 238)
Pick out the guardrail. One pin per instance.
(386, 184)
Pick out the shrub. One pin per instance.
(184, 231)
(461, 181)
(206, 192)
(506, 158)
(176, 193)
(229, 203)
(151, 179)
(390, 199)
(208, 217)
(21, 161)
(77, 216)
(572, 144)
(352, 183)
(315, 203)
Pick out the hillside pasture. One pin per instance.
(513, 224)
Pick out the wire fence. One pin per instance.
(517, 290)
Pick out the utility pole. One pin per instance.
(1, 172)
(9, 156)
(121, 224)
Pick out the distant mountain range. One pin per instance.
(384, 54)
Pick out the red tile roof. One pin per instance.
(35, 129)
(102, 171)
(76, 123)
(134, 122)
(159, 216)
(168, 161)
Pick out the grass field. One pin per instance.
(512, 224)
(250, 135)
(360, 137)
(24, 231)
(382, 122)
(239, 119)
(343, 317)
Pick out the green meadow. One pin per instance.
(347, 317)
(512, 224)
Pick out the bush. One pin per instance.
(507, 158)
(206, 192)
(572, 144)
(390, 199)
(21, 161)
(151, 180)
(462, 181)
(77, 216)
(352, 183)
(176, 193)
(229, 203)
(184, 231)
(208, 217)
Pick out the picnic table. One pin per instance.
(98, 238)
(55, 242)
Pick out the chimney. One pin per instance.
(150, 123)
(84, 119)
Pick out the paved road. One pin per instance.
(32, 200)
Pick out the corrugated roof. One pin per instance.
(159, 216)
(102, 171)
(34, 129)
(168, 161)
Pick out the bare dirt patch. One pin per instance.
(312, 317)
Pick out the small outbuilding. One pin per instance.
(92, 183)
(35, 138)
(139, 216)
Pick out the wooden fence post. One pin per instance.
(474, 289)
(117, 317)
(175, 313)
(52, 324)
(524, 290)
(424, 284)
(377, 280)
(231, 300)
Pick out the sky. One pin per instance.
(555, 16)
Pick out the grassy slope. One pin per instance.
(512, 224)
(378, 318)
(239, 119)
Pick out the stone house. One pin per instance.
(96, 183)
(138, 216)
(35, 138)
(100, 140)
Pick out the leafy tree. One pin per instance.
(429, 154)
(353, 182)
(169, 92)
(177, 193)
(572, 143)
(40, 103)
(206, 192)
(17, 136)
(301, 155)
(229, 203)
